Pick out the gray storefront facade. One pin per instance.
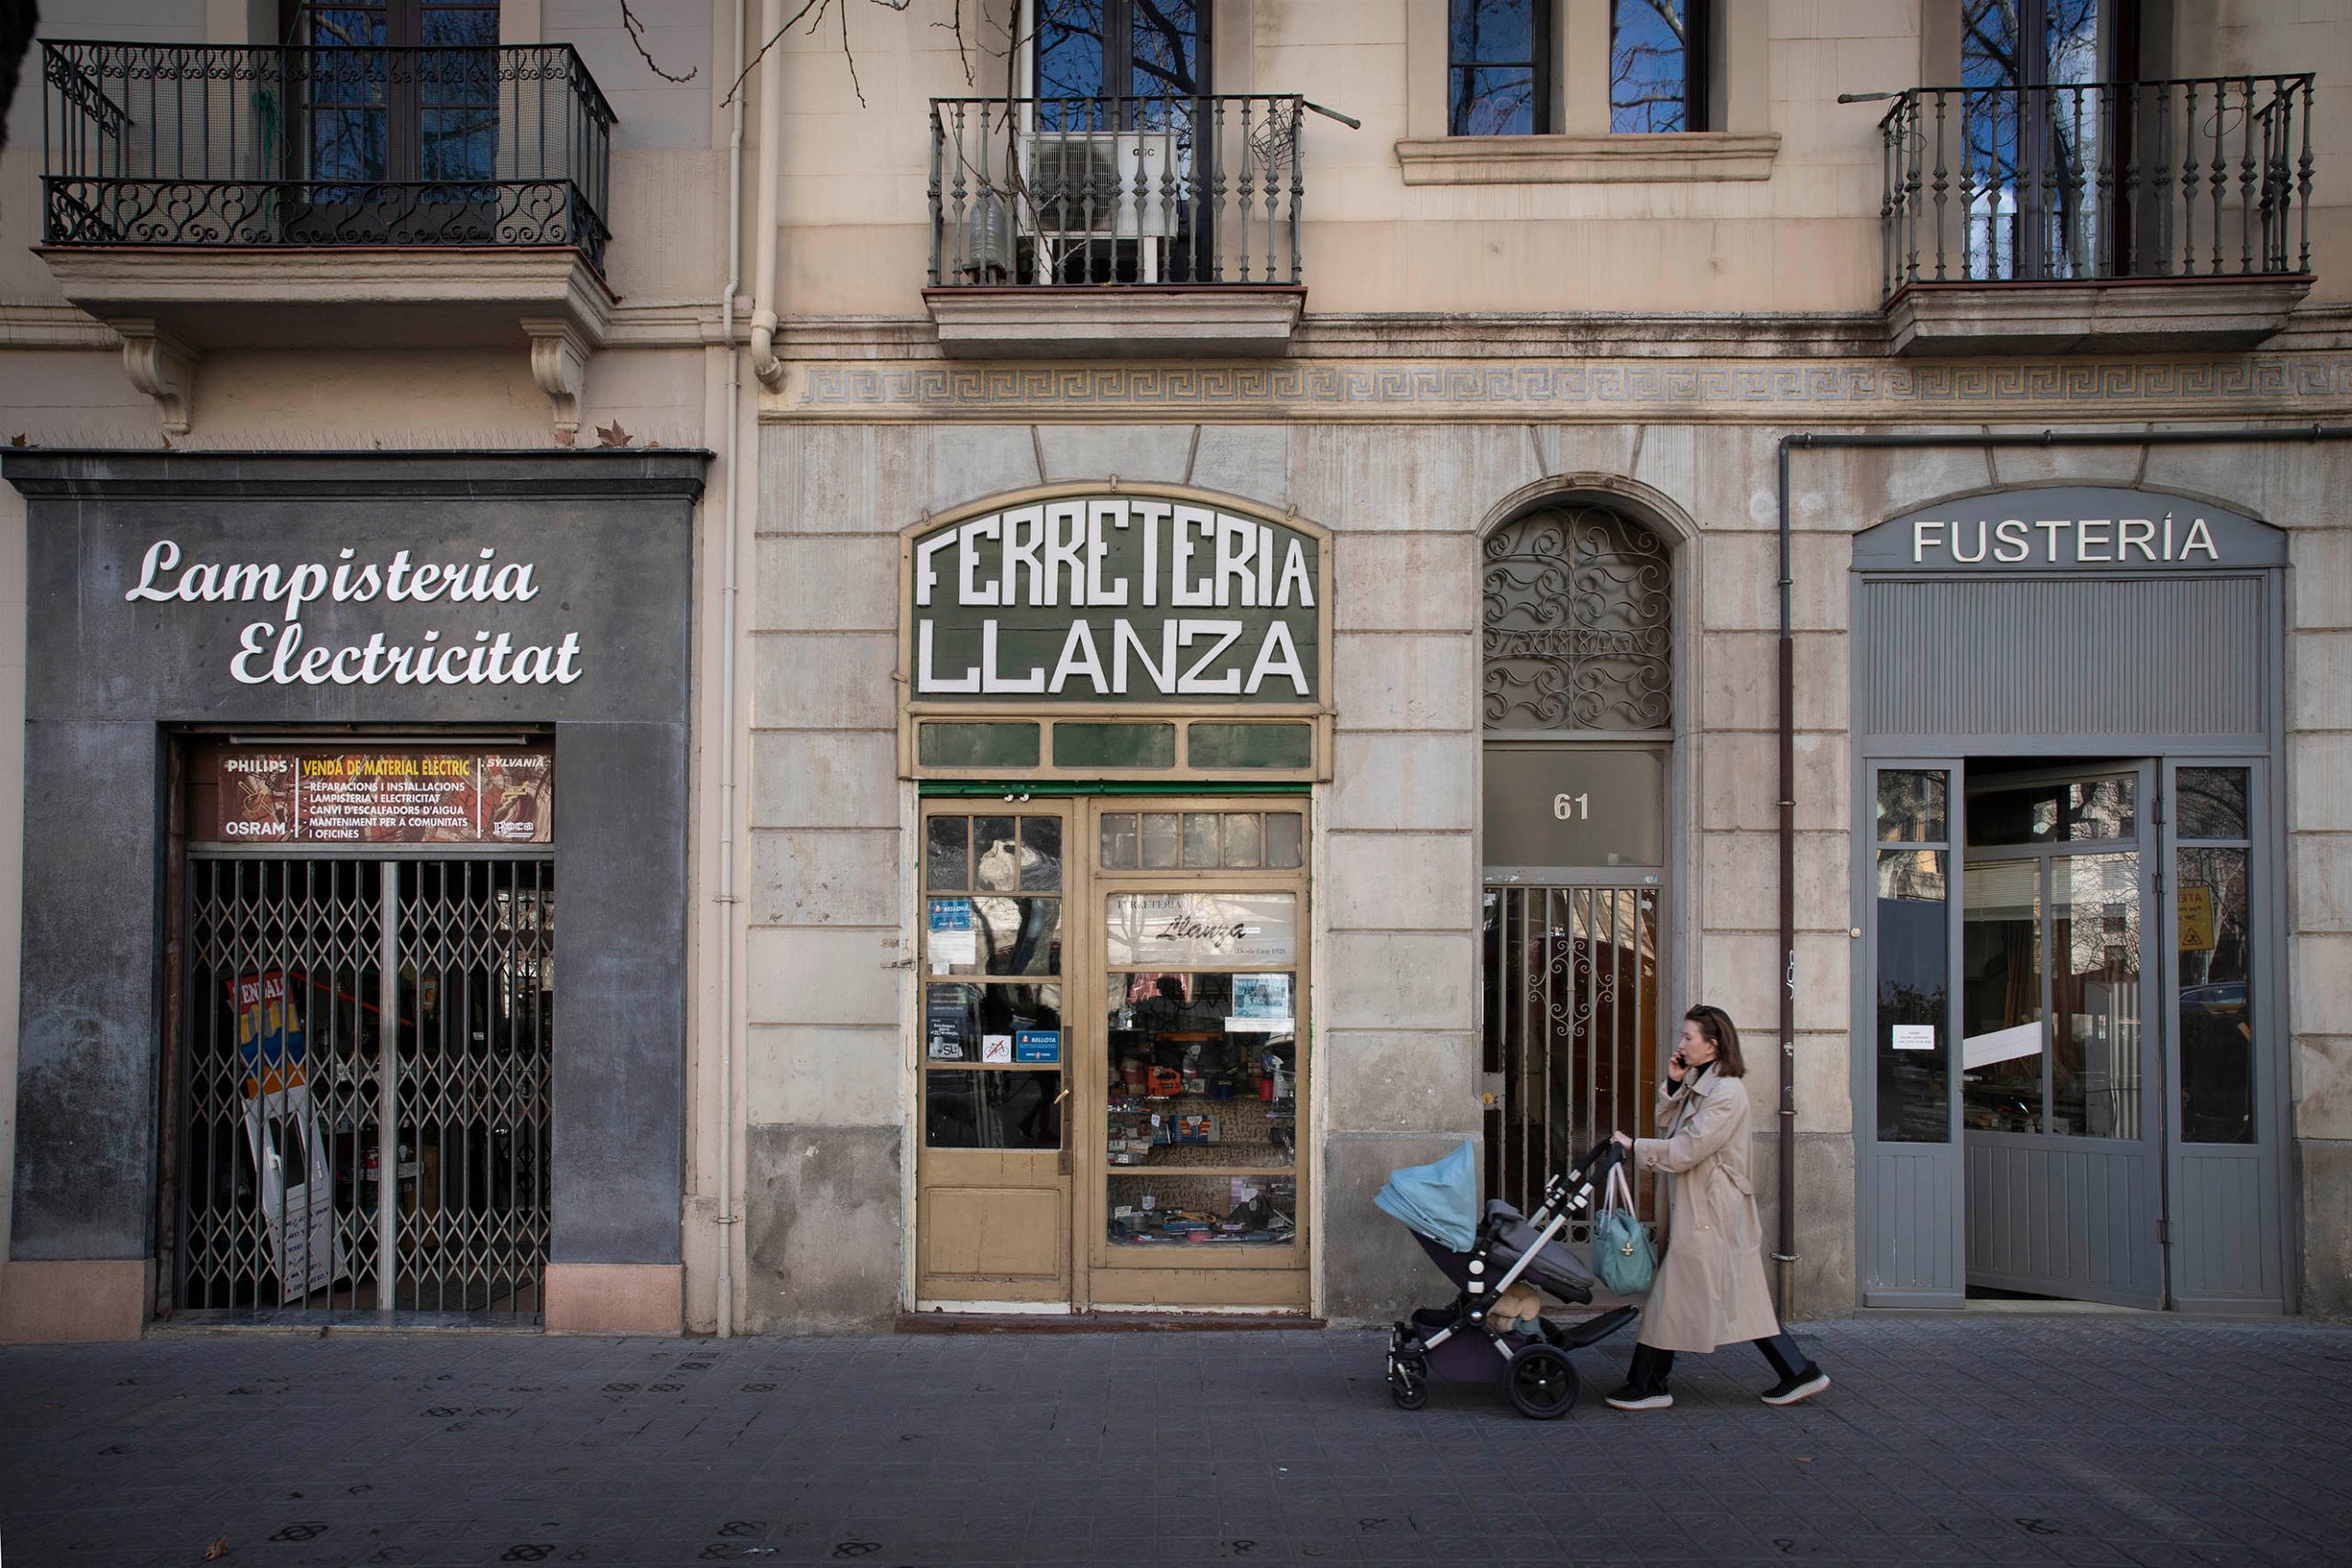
(2070, 1066)
(451, 626)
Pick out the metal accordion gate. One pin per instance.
(1571, 1031)
(318, 991)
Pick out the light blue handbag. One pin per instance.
(1621, 1257)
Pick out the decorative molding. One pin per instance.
(2137, 315)
(159, 365)
(560, 364)
(1029, 322)
(1586, 159)
(2302, 387)
(34, 323)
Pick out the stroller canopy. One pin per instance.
(1439, 1199)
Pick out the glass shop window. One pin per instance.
(992, 994)
(1914, 1042)
(2214, 932)
(1498, 67)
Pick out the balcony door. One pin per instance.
(396, 132)
(2042, 135)
(1111, 142)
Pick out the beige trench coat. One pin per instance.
(1710, 1288)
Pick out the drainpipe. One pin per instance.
(764, 364)
(726, 1216)
(1785, 1253)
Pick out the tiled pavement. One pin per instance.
(2006, 1439)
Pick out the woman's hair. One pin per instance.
(1716, 1025)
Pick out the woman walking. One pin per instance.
(1709, 1289)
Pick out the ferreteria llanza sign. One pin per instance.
(1115, 597)
(2079, 528)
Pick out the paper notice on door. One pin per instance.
(1262, 1005)
(1915, 1036)
(954, 942)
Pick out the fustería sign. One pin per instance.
(1116, 596)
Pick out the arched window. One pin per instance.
(1579, 624)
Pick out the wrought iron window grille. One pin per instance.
(1579, 624)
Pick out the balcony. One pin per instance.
(203, 196)
(1116, 226)
(2132, 217)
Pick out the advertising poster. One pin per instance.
(954, 942)
(1262, 1005)
(1037, 1045)
(386, 795)
(269, 1033)
(942, 1024)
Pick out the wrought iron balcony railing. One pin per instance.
(238, 147)
(1117, 190)
(2209, 177)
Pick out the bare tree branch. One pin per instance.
(636, 36)
(815, 10)
(963, 50)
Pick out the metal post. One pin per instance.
(388, 1087)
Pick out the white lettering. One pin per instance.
(925, 681)
(1189, 521)
(1163, 674)
(1063, 551)
(993, 680)
(2015, 544)
(1024, 532)
(1078, 658)
(2050, 527)
(161, 556)
(967, 560)
(1277, 656)
(926, 573)
(254, 642)
(1294, 569)
(2136, 533)
(1153, 514)
(1920, 537)
(1959, 555)
(2200, 538)
(1237, 544)
(2083, 538)
(1195, 683)
(1097, 591)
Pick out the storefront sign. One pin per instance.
(245, 794)
(1096, 597)
(2075, 529)
(277, 649)
(1574, 806)
(1202, 930)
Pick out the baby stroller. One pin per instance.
(1457, 1343)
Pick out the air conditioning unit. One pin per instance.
(1095, 188)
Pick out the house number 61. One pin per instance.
(1572, 807)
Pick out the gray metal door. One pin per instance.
(2061, 1076)
(1572, 1029)
(316, 991)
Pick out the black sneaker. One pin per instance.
(1631, 1398)
(1797, 1386)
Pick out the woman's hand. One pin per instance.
(1622, 1140)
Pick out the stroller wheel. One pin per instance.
(1408, 1382)
(1542, 1382)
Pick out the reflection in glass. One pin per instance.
(1286, 835)
(2213, 802)
(947, 858)
(956, 1016)
(1119, 847)
(1169, 1209)
(1203, 1070)
(966, 1108)
(1649, 67)
(1200, 840)
(1914, 991)
(1493, 54)
(1244, 839)
(1017, 936)
(2094, 995)
(996, 855)
(2216, 995)
(1160, 840)
(1911, 808)
(2001, 1012)
(2076, 811)
(1041, 855)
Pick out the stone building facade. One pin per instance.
(1574, 430)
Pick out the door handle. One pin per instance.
(1061, 1156)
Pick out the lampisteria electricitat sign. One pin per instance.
(1115, 597)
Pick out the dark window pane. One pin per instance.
(1649, 65)
(957, 1017)
(2001, 1018)
(1494, 50)
(2212, 802)
(1914, 993)
(968, 1109)
(1493, 32)
(947, 859)
(977, 745)
(1114, 745)
(2216, 998)
(2083, 810)
(1041, 855)
(1911, 808)
(1251, 745)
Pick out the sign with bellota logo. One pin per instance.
(404, 795)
